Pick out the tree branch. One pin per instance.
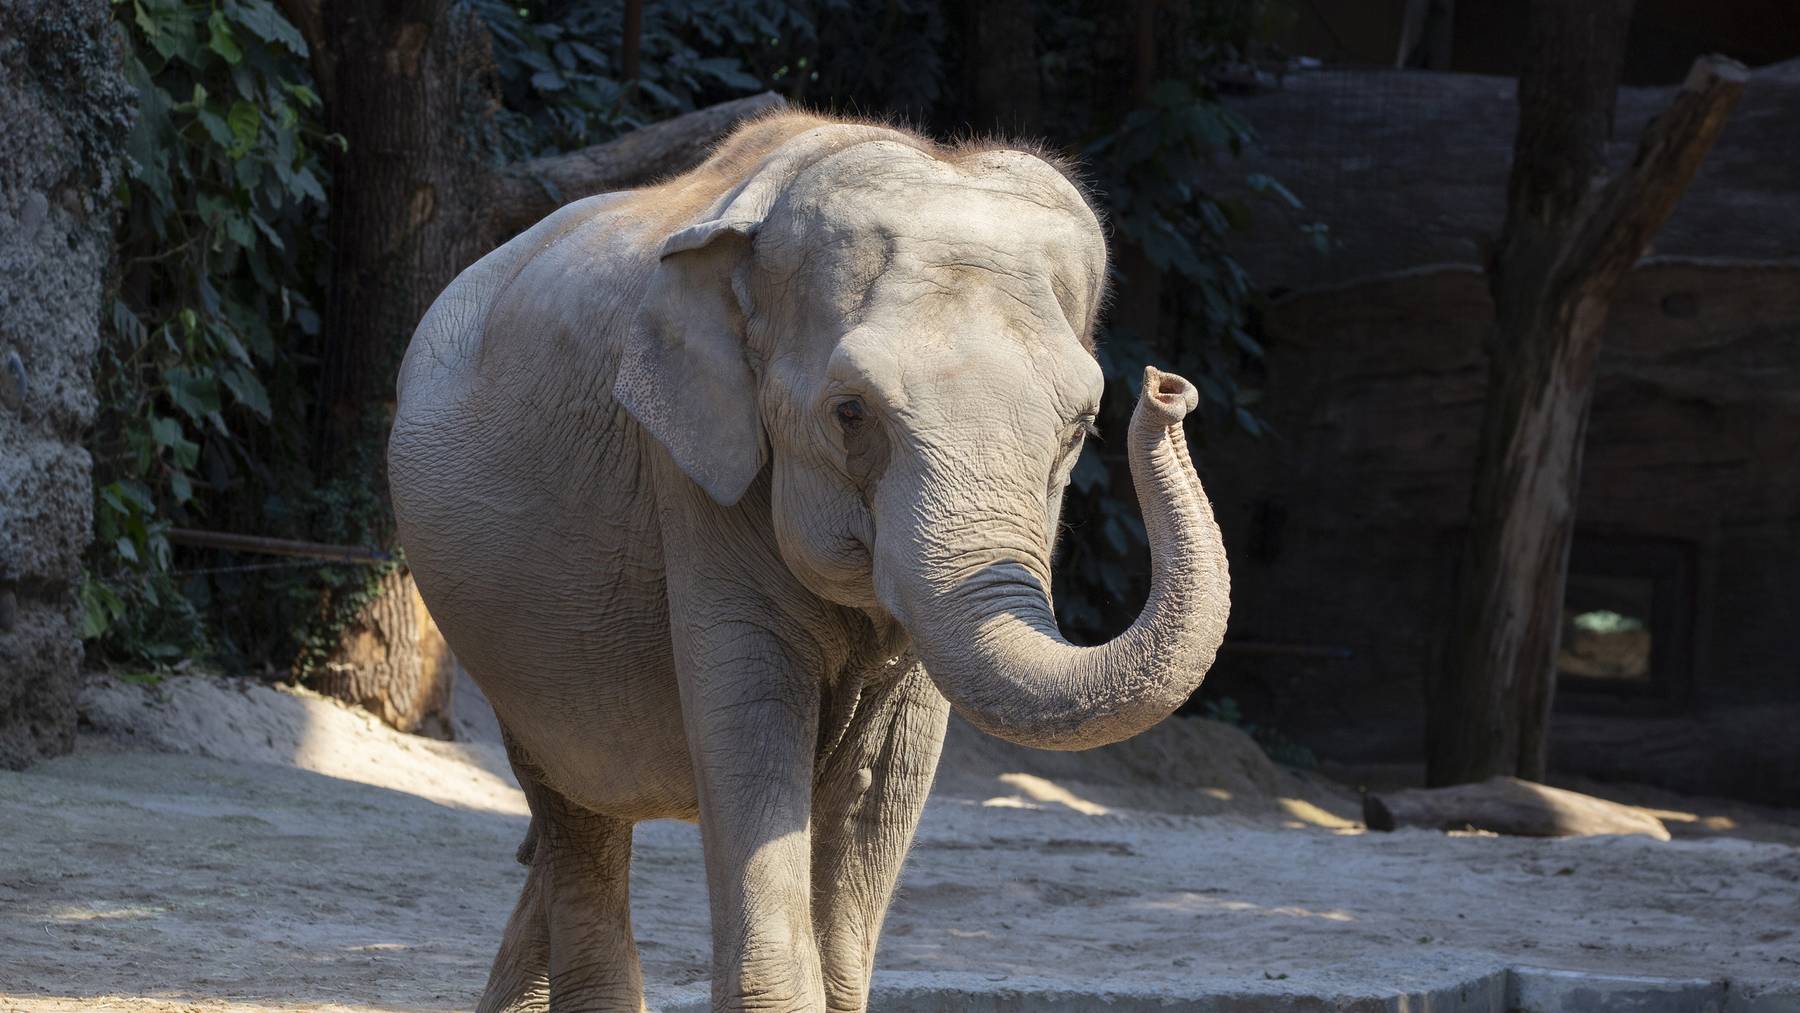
(524, 192)
(1634, 205)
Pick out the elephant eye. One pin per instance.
(850, 413)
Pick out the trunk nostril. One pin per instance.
(1169, 397)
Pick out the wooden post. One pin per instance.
(1566, 244)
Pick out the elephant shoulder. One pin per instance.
(526, 301)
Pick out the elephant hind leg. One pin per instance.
(520, 979)
(568, 945)
(593, 957)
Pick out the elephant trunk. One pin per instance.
(988, 636)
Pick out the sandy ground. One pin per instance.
(224, 845)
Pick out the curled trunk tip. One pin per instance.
(1167, 398)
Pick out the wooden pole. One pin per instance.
(276, 546)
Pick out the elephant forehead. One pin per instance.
(867, 232)
(933, 203)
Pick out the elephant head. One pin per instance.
(901, 335)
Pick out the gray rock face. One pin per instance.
(68, 108)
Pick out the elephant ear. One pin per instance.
(683, 374)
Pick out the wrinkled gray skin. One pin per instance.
(634, 488)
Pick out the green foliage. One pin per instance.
(560, 82)
(562, 86)
(221, 251)
(1155, 170)
(1150, 170)
(217, 248)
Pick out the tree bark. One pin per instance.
(407, 84)
(1566, 243)
(1507, 805)
(414, 201)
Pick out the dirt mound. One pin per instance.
(245, 721)
(1184, 766)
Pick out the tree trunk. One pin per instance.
(413, 202)
(410, 82)
(67, 111)
(393, 662)
(1427, 30)
(1565, 245)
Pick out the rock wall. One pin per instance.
(67, 110)
(1409, 168)
(1344, 526)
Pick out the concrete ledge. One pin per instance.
(1510, 990)
(1542, 990)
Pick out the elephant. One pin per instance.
(725, 490)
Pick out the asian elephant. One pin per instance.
(726, 489)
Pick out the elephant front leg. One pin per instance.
(869, 792)
(752, 721)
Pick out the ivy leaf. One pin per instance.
(588, 53)
(126, 549)
(195, 394)
(728, 72)
(267, 24)
(247, 390)
(237, 227)
(303, 94)
(135, 497)
(308, 186)
(164, 430)
(245, 121)
(185, 453)
(268, 232)
(100, 608)
(1262, 182)
(221, 41)
(216, 128)
(112, 497)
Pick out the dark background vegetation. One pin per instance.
(210, 374)
(245, 367)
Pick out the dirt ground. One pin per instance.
(219, 844)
